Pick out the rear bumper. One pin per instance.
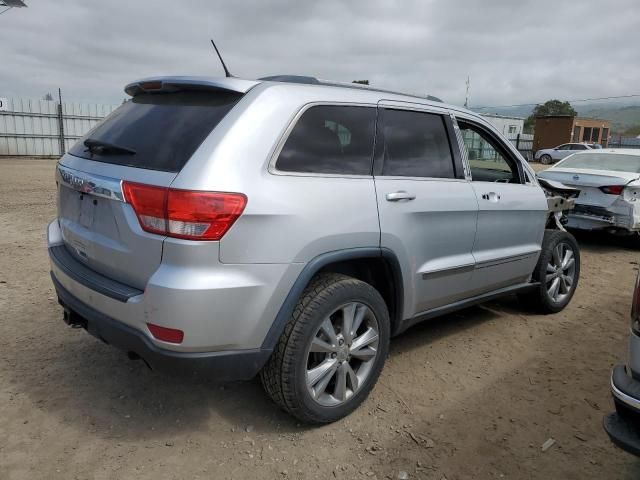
(623, 426)
(219, 307)
(620, 216)
(221, 366)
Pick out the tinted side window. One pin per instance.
(416, 145)
(330, 139)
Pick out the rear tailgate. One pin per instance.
(147, 140)
(99, 228)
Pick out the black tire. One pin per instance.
(546, 159)
(540, 299)
(284, 375)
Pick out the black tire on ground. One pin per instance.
(540, 299)
(546, 159)
(284, 375)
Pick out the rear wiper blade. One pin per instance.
(93, 144)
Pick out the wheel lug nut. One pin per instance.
(333, 355)
(340, 342)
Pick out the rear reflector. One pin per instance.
(192, 215)
(612, 189)
(171, 335)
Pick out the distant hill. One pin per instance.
(622, 117)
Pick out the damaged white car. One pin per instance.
(609, 184)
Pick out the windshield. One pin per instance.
(156, 131)
(603, 161)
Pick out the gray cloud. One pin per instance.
(514, 52)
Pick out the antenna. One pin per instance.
(226, 71)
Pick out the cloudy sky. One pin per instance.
(514, 51)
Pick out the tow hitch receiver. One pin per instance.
(73, 319)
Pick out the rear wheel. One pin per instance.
(557, 272)
(332, 350)
(546, 159)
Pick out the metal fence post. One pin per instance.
(61, 123)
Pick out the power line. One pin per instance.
(570, 101)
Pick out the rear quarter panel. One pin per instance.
(289, 218)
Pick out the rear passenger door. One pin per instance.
(427, 208)
(512, 210)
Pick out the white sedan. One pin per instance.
(547, 156)
(609, 184)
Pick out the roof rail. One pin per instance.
(331, 83)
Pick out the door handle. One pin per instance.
(399, 196)
(491, 196)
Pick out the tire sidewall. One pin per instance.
(316, 311)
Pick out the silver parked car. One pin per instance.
(547, 156)
(229, 227)
(609, 184)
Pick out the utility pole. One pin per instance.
(60, 123)
(466, 97)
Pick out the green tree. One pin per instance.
(554, 107)
(550, 107)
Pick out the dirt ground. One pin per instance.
(472, 395)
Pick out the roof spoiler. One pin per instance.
(177, 84)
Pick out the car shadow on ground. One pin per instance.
(100, 391)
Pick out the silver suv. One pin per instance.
(290, 227)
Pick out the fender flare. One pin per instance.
(314, 266)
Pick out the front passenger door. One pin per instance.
(512, 213)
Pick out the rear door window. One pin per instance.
(416, 145)
(330, 139)
(156, 131)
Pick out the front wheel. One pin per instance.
(332, 350)
(556, 273)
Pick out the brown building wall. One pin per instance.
(553, 131)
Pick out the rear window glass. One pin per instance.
(602, 161)
(331, 139)
(416, 145)
(156, 131)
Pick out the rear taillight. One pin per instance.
(612, 189)
(150, 205)
(635, 307)
(192, 215)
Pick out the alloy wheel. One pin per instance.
(561, 272)
(342, 354)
